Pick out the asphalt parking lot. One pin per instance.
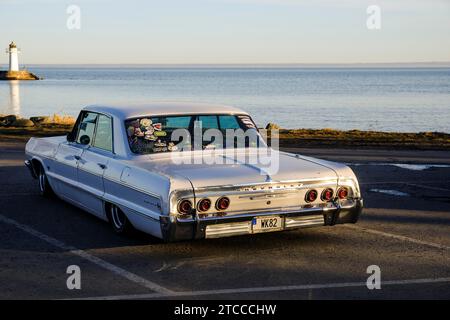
(405, 230)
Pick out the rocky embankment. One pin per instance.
(354, 139)
(14, 128)
(13, 121)
(18, 75)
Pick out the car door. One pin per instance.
(65, 170)
(65, 167)
(92, 165)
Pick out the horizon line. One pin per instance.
(329, 64)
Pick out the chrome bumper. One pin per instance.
(241, 224)
(241, 228)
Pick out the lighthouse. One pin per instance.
(13, 57)
(13, 73)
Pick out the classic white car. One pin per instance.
(124, 165)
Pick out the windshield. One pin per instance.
(155, 134)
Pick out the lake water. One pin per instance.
(396, 99)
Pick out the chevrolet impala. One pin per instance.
(130, 166)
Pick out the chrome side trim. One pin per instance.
(105, 197)
(133, 211)
(63, 179)
(77, 184)
(124, 184)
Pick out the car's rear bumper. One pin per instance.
(242, 224)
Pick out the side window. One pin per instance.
(103, 135)
(87, 128)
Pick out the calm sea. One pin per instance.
(387, 99)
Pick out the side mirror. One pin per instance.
(85, 140)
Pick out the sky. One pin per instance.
(226, 31)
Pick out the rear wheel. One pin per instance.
(118, 220)
(44, 186)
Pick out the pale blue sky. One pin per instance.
(226, 31)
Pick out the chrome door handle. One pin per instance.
(101, 165)
(77, 157)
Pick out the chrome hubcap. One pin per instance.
(117, 217)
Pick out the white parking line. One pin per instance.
(87, 256)
(397, 182)
(408, 183)
(268, 289)
(398, 237)
(427, 187)
(161, 292)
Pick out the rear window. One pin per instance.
(153, 134)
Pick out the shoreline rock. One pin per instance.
(37, 121)
(18, 75)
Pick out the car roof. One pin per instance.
(127, 111)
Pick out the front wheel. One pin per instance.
(119, 221)
(44, 186)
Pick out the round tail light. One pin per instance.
(311, 196)
(342, 193)
(204, 205)
(327, 194)
(185, 206)
(222, 203)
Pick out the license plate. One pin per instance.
(267, 224)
